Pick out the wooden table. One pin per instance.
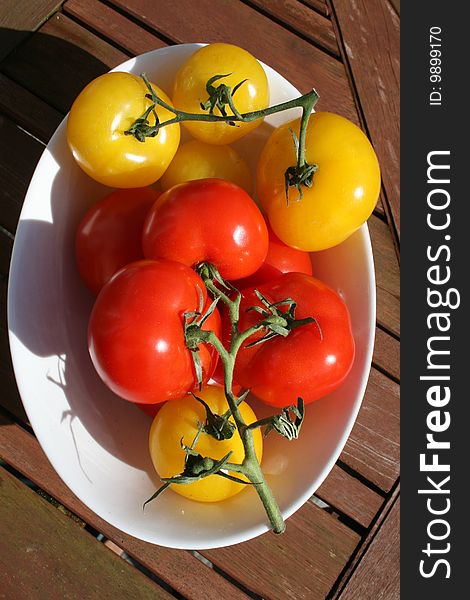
(344, 542)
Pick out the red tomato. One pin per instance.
(313, 360)
(280, 259)
(110, 235)
(208, 220)
(136, 338)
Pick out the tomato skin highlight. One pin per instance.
(279, 259)
(313, 360)
(207, 220)
(221, 59)
(198, 160)
(345, 187)
(109, 236)
(178, 422)
(135, 335)
(100, 115)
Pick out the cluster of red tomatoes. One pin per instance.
(136, 249)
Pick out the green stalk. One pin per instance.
(141, 128)
(250, 466)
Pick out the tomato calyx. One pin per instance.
(276, 321)
(218, 426)
(283, 423)
(300, 174)
(220, 96)
(198, 467)
(141, 127)
(192, 325)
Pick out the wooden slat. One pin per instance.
(373, 448)
(113, 25)
(319, 5)
(45, 555)
(17, 19)
(18, 159)
(396, 5)
(27, 110)
(303, 20)
(233, 22)
(303, 562)
(185, 573)
(377, 577)
(349, 496)
(364, 25)
(58, 61)
(387, 275)
(387, 353)
(363, 548)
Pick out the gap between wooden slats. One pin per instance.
(373, 448)
(377, 576)
(302, 20)
(319, 5)
(381, 566)
(27, 110)
(18, 19)
(387, 274)
(113, 26)
(80, 565)
(58, 61)
(299, 564)
(370, 33)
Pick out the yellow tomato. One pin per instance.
(100, 115)
(237, 64)
(178, 421)
(197, 160)
(345, 187)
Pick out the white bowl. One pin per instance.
(97, 442)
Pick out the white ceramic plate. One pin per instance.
(97, 442)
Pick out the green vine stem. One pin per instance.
(298, 175)
(274, 322)
(250, 466)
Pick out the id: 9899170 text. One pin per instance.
(435, 66)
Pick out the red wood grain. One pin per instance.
(384, 573)
(319, 5)
(387, 353)
(113, 25)
(373, 448)
(303, 20)
(370, 31)
(377, 576)
(43, 554)
(303, 562)
(349, 496)
(387, 274)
